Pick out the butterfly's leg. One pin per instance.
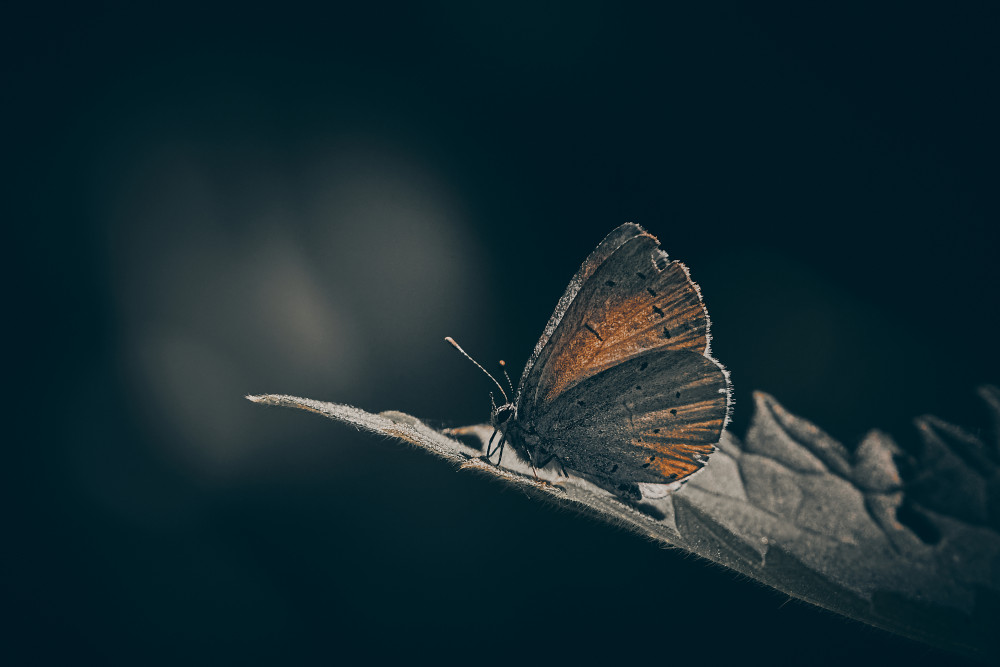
(489, 445)
(493, 409)
(536, 464)
(503, 441)
(544, 461)
(565, 474)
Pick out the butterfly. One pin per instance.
(621, 388)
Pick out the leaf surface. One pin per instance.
(792, 508)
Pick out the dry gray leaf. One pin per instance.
(793, 508)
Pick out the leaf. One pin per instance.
(794, 509)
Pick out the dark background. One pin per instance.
(210, 202)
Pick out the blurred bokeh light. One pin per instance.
(232, 277)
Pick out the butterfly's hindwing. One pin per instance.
(655, 418)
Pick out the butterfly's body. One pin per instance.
(622, 387)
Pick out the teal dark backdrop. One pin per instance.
(213, 201)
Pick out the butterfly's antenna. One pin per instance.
(466, 355)
(503, 367)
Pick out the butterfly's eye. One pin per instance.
(502, 414)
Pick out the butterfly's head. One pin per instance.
(501, 415)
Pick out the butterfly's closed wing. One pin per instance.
(623, 371)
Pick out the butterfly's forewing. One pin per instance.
(629, 299)
(605, 249)
(629, 335)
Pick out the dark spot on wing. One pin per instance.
(591, 330)
(614, 469)
(677, 395)
(651, 291)
(610, 283)
(659, 312)
(673, 412)
(661, 263)
(666, 332)
(580, 403)
(641, 274)
(643, 366)
(645, 465)
(638, 386)
(656, 430)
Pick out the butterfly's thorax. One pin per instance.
(525, 441)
